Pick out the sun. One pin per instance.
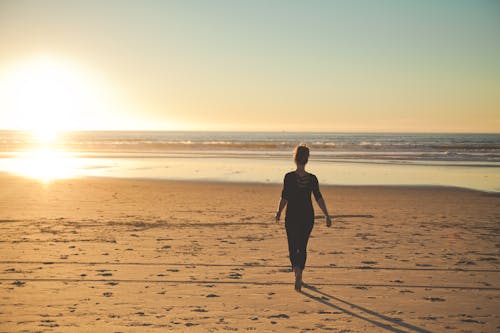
(48, 94)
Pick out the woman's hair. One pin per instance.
(301, 154)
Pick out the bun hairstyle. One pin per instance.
(301, 154)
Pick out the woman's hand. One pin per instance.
(282, 205)
(328, 221)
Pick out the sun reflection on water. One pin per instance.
(44, 164)
(44, 161)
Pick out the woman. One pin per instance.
(299, 219)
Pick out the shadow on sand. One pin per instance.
(385, 322)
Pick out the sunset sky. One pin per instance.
(419, 66)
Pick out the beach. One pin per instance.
(144, 148)
(136, 255)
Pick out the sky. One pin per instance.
(270, 65)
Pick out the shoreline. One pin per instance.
(333, 186)
(251, 183)
(249, 170)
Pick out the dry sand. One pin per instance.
(107, 255)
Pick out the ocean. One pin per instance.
(461, 160)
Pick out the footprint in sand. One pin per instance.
(328, 312)
(465, 262)
(48, 323)
(473, 321)
(406, 291)
(172, 270)
(104, 272)
(199, 310)
(251, 263)
(428, 318)
(434, 299)
(281, 315)
(361, 287)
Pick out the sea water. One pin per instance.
(462, 160)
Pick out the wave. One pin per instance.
(329, 146)
(451, 147)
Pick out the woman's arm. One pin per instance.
(322, 205)
(321, 202)
(284, 197)
(282, 205)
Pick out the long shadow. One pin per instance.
(388, 327)
(368, 216)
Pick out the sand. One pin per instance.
(110, 255)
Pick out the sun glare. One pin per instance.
(44, 164)
(47, 94)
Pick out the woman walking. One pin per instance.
(299, 218)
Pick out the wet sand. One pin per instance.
(110, 255)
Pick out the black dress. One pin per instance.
(299, 219)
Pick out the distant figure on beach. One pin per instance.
(299, 219)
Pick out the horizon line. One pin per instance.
(257, 131)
